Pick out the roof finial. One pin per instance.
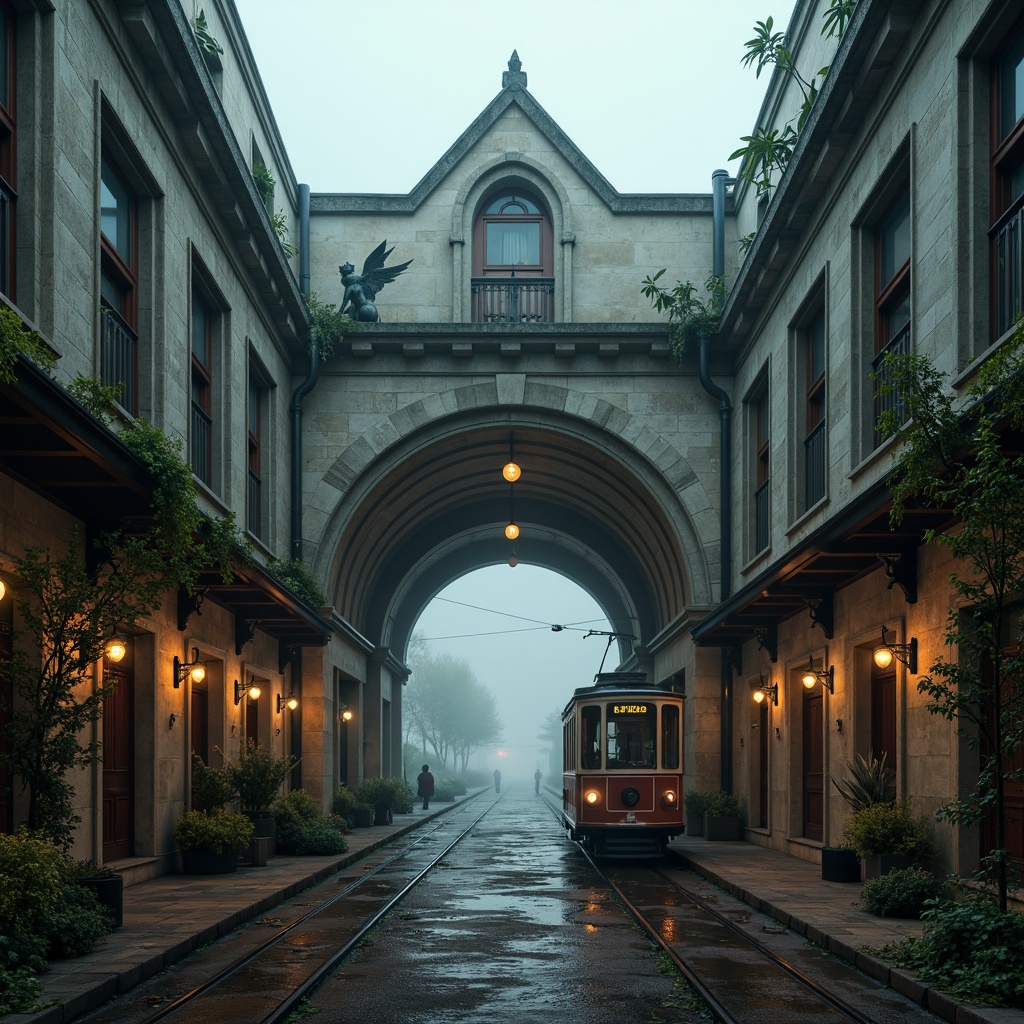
(515, 77)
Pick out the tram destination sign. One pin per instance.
(629, 709)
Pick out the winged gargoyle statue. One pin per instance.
(361, 289)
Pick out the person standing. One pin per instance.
(425, 786)
(536, 783)
(497, 781)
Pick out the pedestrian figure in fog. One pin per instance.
(497, 781)
(536, 782)
(425, 786)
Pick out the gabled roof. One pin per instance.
(513, 91)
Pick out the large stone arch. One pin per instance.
(511, 169)
(614, 505)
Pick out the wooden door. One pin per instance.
(814, 764)
(762, 754)
(119, 762)
(883, 714)
(199, 706)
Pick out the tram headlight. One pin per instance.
(592, 796)
(669, 798)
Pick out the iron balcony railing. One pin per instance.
(200, 442)
(1008, 242)
(762, 518)
(118, 357)
(513, 300)
(253, 514)
(814, 465)
(888, 398)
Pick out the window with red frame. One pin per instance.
(814, 415)
(762, 473)
(8, 193)
(1007, 187)
(201, 440)
(254, 498)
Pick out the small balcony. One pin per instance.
(762, 516)
(253, 507)
(892, 400)
(1008, 270)
(512, 300)
(201, 448)
(118, 357)
(814, 465)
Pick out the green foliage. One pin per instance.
(224, 546)
(330, 324)
(299, 580)
(951, 457)
(900, 893)
(21, 959)
(211, 787)
(970, 948)
(99, 399)
(30, 880)
(696, 802)
(264, 180)
(390, 794)
(218, 832)
(296, 806)
(872, 782)
(202, 32)
(344, 802)
(15, 340)
(722, 805)
(279, 222)
(689, 315)
(67, 611)
(257, 774)
(448, 788)
(888, 828)
(74, 923)
(303, 829)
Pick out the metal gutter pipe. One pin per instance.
(307, 385)
(718, 182)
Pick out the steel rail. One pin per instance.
(279, 936)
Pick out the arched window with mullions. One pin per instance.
(513, 261)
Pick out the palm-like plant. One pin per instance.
(872, 782)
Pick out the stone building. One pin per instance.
(727, 510)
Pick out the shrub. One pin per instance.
(211, 787)
(888, 828)
(74, 923)
(30, 880)
(871, 782)
(319, 838)
(722, 805)
(392, 794)
(444, 790)
(21, 959)
(900, 893)
(257, 775)
(294, 807)
(696, 802)
(344, 802)
(214, 833)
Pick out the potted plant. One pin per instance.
(210, 844)
(256, 775)
(840, 864)
(106, 883)
(887, 836)
(870, 782)
(722, 820)
(696, 803)
(387, 796)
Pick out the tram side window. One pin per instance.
(590, 750)
(632, 732)
(670, 736)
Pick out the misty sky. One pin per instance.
(369, 96)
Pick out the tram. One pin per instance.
(622, 758)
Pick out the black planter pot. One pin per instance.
(382, 815)
(840, 865)
(362, 817)
(724, 828)
(879, 864)
(206, 862)
(109, 891)
(264, 827)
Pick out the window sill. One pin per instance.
(805, 517)
(758, 560)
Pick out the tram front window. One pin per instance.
(590, 734)
(632, 731)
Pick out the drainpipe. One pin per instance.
(307, 385)
(718, 182)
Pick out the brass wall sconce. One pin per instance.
(291, 702)
(825, 676)
(769, 690)
(906, 654)
(346, 713)
(194, 669)
(252, 691)
(116, 647)
(3, 589)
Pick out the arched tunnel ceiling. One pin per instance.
(439, 513)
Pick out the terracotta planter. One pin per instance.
(206, 862)
(840, 865)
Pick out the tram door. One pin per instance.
(119, 761)
(814, 764)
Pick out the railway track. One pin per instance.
(270, 981)
(746, 967)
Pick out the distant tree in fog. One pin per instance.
(550, 738)
(448, 708)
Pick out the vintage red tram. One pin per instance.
(622, 760)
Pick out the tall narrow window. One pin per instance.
(8, 195)
(254, 497)
(118, 285)
(892, 302)
(512, 262)
(201, 436)
(762, 473)
(1007, 232)
(814, 414)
